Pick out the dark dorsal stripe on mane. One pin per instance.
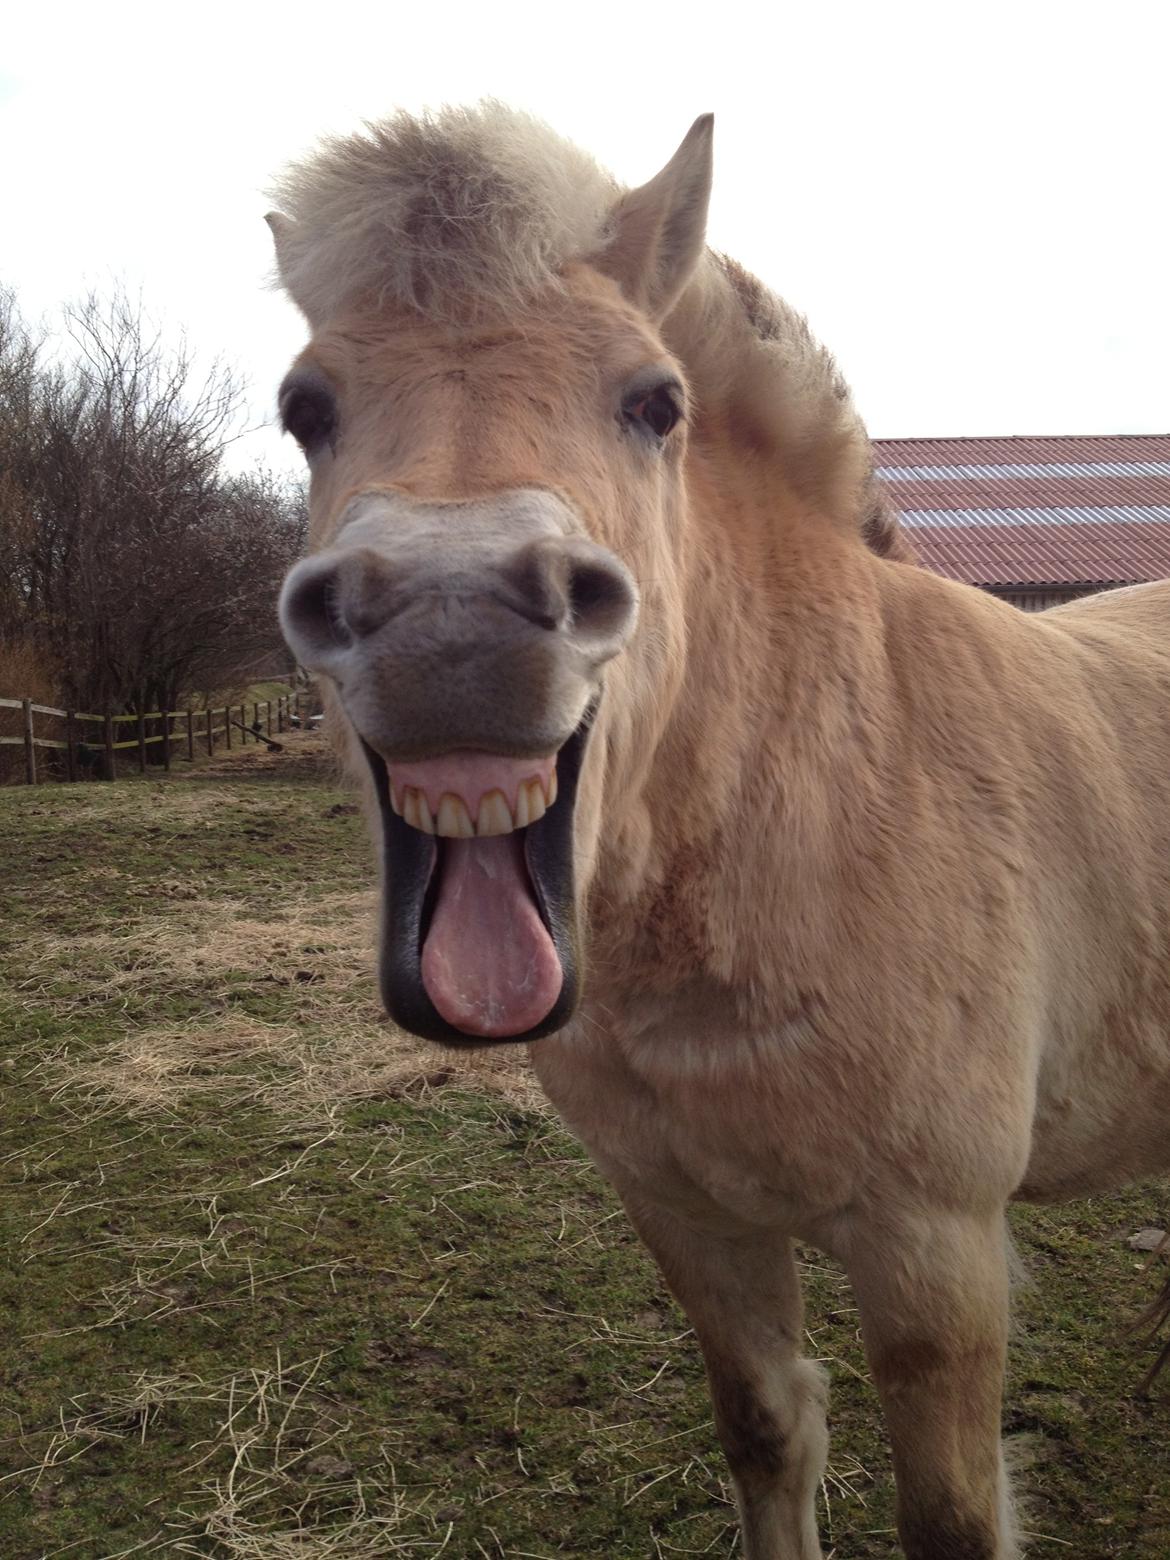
(773, 321)
(881, 529)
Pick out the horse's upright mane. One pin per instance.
(464, 210)
(473, 211)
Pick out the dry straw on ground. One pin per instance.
(329, 1045)
(294, 1073)
(275, 1437)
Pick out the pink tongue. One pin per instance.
(488, 963)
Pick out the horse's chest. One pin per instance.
(721, 1147)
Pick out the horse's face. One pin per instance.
(495, 598)
(491, 505)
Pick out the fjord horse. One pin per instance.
(833, 897)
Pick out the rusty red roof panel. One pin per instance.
(1035, 512)
(1046, 450)
(1029, 555)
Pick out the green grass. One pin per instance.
(274, 689)
(277, 1282)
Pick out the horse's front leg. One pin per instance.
(742, 1296)
(933, 1296)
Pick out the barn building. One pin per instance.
(1035, 520)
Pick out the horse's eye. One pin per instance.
(657, 410)
(308, 411)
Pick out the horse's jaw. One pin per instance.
(479, 933)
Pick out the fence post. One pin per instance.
(111, 761)
(140, 726)
(227, 725)
(190, 736)
(70, 746)
(166, 736)
(30, 752)
(268, 716)
(280, 712)
(210, 732)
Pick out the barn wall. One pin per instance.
(1038, 600)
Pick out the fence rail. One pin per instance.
(191, 727)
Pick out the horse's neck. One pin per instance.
(770, 768)
(777, 713)
(779, 721)
(785, 627)
(795, 626)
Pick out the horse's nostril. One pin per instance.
(600, 598)
(316, 613)
(574, 585)
(332, 601)
(320, 603)
(603, 602)
(309, 608)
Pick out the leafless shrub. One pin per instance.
(131, 562)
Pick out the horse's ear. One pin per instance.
(283, 230)
(288, 242)
(659, 229)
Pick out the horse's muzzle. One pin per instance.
(480, 625)
(466, 642)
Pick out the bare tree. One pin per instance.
(20, 382)
(133, 560)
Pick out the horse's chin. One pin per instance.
(479, 936)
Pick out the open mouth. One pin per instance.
(479, 936)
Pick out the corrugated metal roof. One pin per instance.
(1027, 513)
(1030, 556)
(1058, 514)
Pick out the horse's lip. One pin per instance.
(410, 858)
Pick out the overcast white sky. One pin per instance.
(970, 202)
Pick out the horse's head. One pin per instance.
(495, 431)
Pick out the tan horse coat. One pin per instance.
(873, 870)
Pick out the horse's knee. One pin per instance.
(772, 1423)
(755, 1442)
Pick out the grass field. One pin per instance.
(276, 1283)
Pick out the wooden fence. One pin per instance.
(89, 746)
